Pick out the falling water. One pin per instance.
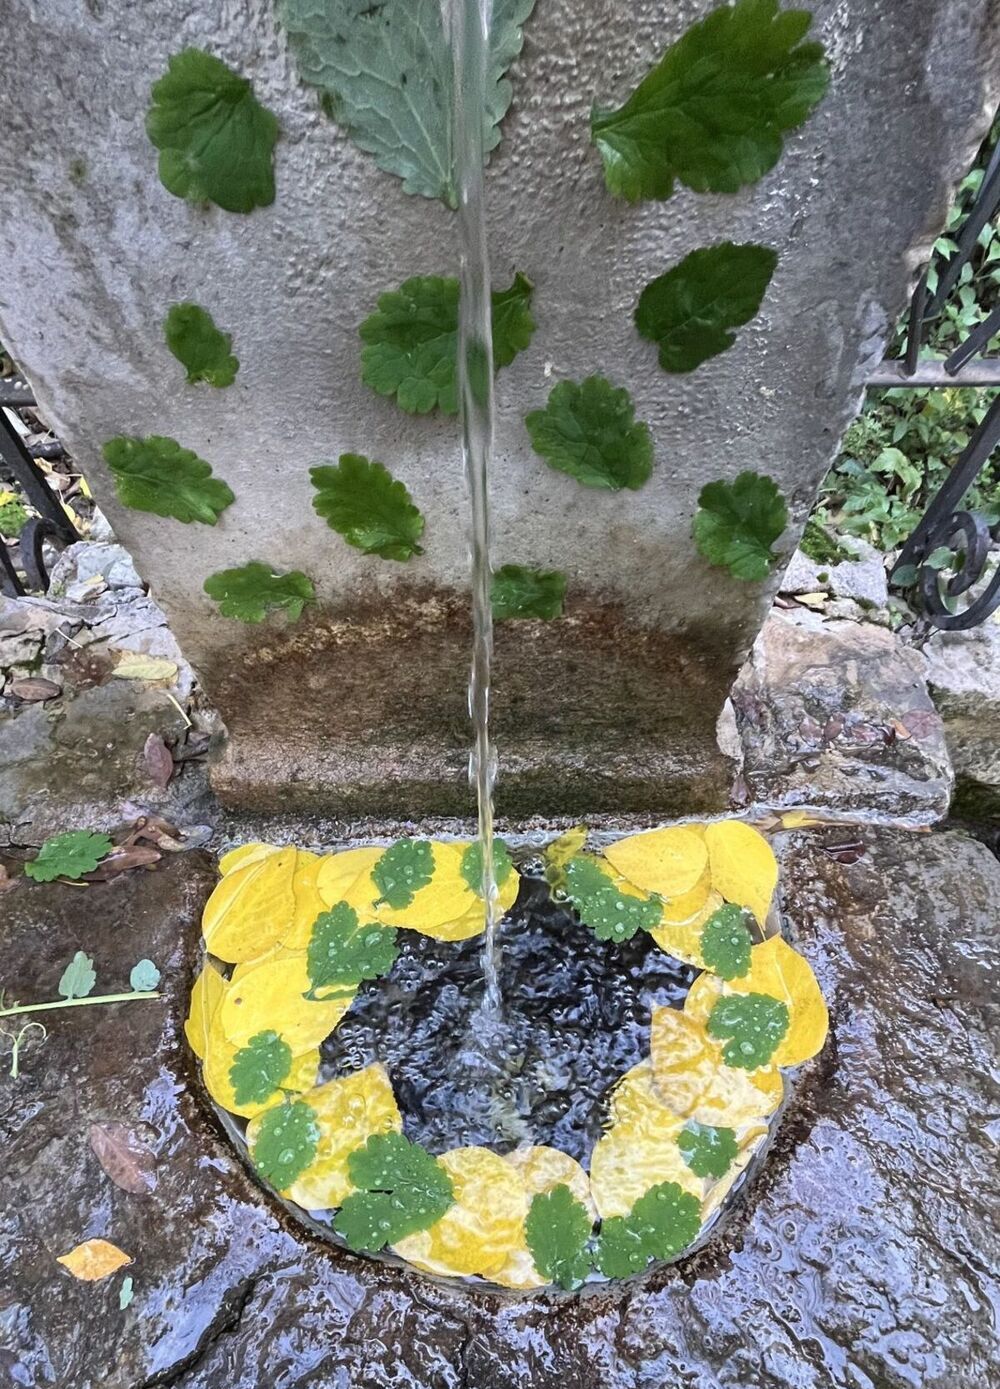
(467, 25)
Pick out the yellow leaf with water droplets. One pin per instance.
(246, 854)
(252, 908)
(564, 847)
(272, 996)
(541, 1169)
(692, 1079)
(743, 866)
(778, 970)
(348, 1111)
(220, 1054)
(94, 1259)
(483, 1228)
(347, 877)
(640, 1149)
(683, 941)
(669, 862)
(206, 995)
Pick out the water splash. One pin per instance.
(467, 27)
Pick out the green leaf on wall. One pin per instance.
(254, 590)
(200, 347)
(713, 112)
(360, 499)
(737, 523)
(518, 591)
(690, 311)
(384, 71)
(216, 141)
(155, 474)
(411, 340)
(589, 430)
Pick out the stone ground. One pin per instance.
(863, 1256)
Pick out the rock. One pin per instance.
(836, 715)
(862, 579)
(963, 675)
(82, 563)
(864, 1252)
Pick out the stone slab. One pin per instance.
(94, 251)
(836, 716)
(864, 1254)
(963, 676)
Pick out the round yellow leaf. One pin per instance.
(246, 854)
(639, 1149)
(743, 866)
(347, 877)
(680, 911)
(220, 1054)
(94, 1259)
(206, 995)
(272, 996)
(669, 862)
(478, 1233)
(541, 1169)
(252, 908)
(692, 1079)
(683, 939)
(348, 1111)
(309, 902)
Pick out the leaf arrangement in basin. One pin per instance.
(302, 933)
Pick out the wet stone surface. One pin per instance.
(861, 1255)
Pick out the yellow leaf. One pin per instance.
(309, 903)
(206, 995)
(669, 862)
(252, 908)
(781, 972)
(272, 996)
(799, 820)
(220, 1053)
(693, 1081)
(481, 1230)
(540, 1168)
(564, 847)
(683, 940)
(348, 1111)
(347, 877)
(245, 854)
(743, 865)
(447, 908)
(682, 910)
(640, 1148)
(94, 1259)
(133, 665)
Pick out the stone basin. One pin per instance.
(860, 1254)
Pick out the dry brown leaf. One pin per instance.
(126, 1159)
(34, 689)
(158, 762)
(122, 859)
(94, 1259)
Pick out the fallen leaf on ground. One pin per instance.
(158, 762)
(94, 1259)
(133, 665)
(122, 860)
(125, 1158)
(35, 689)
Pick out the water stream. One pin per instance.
(467, 25)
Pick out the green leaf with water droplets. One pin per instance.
(708, 1151)
(753, 1024)
(600, 904)
(557, 1232)
(588, 429)
(662, 1222)
(472, 864)
(520, 592)
(285, 1142)
(259, 1068)
(202, 348)
(68, 855)
(403, 869)
(726, 942)
(401, 1189)
(343, 951)
(360, 500)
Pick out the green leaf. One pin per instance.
(78, 978)
(610, 913)
(689, 312)
(126, 1292)
(589, 430)
(286, 1142)
(726, 942)
(14, 516)
(521, 592)
(216, 141)
(252, 591)
(155, 474)
(737, 523)
(343, 951)
(708, 1151)
(662, 1222)
(712, 112)
(199, 345)
(411, 340)
(144, 977)
(401, 1189)
(385, 74)
(754, 1024)
(472, 865)
(68, 855)
(360, 500)
(405, 867)
(259, 1068)
(557, 1230)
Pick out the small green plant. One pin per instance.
(14, 515)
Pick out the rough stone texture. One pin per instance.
(862, 579)
(836, 716)
(864, 1254)
(94, 250)
(963, 676)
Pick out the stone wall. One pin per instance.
(361, 707)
